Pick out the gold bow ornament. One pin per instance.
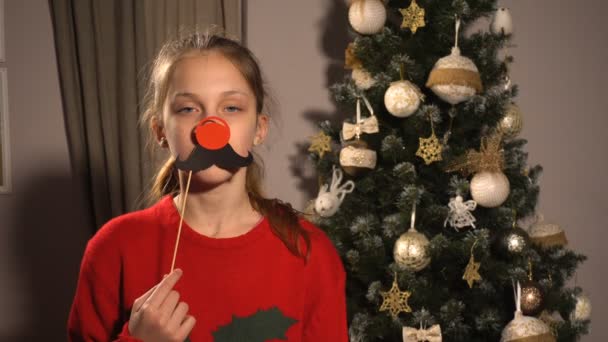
(432, 334)
(368, 125)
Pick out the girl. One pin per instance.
(248, 268)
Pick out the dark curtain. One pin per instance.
(104, 48)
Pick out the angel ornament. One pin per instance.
(460, 213)
(329, 200)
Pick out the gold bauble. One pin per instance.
(512, 123)
(410, 251)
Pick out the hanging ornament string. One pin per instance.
(181, 219)
(457, 30)
(413, 219)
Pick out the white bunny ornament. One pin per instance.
(329, 200)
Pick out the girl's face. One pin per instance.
(204, 85)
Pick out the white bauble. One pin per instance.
(363, 79)
(367, 16)
(526, 328)
(502, 22)
(402, 98)
(410, 251)
(327, 204)
(454, 78)
(490, 189)
(582, 310)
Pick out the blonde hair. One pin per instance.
(283, 219)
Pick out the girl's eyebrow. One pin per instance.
(224, 93)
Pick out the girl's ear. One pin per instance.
(261, 129)
(158, 129)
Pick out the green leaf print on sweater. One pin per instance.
(261, 326)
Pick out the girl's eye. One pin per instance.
(232, 109)
(186, 110)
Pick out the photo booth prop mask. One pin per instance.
(211, 147)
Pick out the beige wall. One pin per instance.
(42, 230)
(562, 48)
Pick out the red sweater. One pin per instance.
(225, 281)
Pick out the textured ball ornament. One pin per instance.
(367, 16)
(532, 298)
(454, 78)
(526, 328)
(410, 251)
(502, 22)
(582, 310)
(402, 98)
(490, 189)
(511, 242)
(363, 79)
(512, 122)
(547, 235)
(356, 158)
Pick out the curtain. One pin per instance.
(104, 50)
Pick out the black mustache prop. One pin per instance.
(208, 133)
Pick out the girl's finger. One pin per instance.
(142, 299)
(186, 327)
(163, 288)
(178, 316)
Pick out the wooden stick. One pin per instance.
(181, 219)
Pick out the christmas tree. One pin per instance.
(426, 191)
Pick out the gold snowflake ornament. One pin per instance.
(320, 144)
(413, 17)
(395, 300)
(429, 149)
(471, 273)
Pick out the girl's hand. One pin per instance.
(158, 316)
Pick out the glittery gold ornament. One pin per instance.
(489, 158)
(320, 144)
(413, 17)
(429, 148)
(410, 250)
(582, 309)
(532, 298)
(511, 242)
(512, 122)
(395, 300)
(362, 78)
(350, 60)
(471, 273)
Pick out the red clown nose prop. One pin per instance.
(212, 133)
